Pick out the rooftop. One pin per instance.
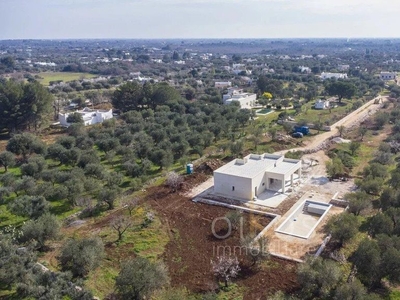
(254, 164)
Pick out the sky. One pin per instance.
(150, 19)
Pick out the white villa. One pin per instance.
(246, 100)
(322, 104)
(249, 177)
(388, 75)
(333, 75)
(89, 116)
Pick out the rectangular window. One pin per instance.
(233, 188)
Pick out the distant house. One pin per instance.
(388, 76)
(223, 84)
(343, 67)
(89, 116)
(304, 69)
(322, 104)
(246, 100)
(333, 75)
(73, 105)
(179, 62)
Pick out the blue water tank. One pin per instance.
(189, 168)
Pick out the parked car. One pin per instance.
(297, 135)
(302, 129)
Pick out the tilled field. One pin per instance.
(193, 245)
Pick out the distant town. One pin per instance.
(200, 169)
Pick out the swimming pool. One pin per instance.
(303, 221)
(264, 111)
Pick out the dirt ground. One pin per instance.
(193, 245)
(315, 186)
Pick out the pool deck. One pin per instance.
(296, 247)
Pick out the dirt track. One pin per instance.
(350, 120)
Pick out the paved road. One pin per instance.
(352, 119)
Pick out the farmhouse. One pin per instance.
(388, 75)
(89, 116)
(322, 104)
(249, 177)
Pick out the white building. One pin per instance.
(388, 75)
(333, 75)
(322, 104)
(343, 67)
(179, 62)
(223, 84)
(246, 100)
(249, 177)
(304, 69)
(89, 116)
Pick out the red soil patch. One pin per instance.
(193, 245)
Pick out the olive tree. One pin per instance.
(25, 144)
(256, 251)
(342, 227)
(121, 224)
(7, 159)
(318, 277)
(108, 196)
(29, 206)
(45, 228)
(139, 278)
(80, 256)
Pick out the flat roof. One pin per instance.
(254, 164)
(283, 167)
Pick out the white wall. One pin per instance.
(245, 100)
(89, 118)
(258, 182)
(223, 184)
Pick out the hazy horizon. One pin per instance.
(198, 19)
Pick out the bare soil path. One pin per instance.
(352, 119)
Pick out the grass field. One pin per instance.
(46, 77)
(312, 115)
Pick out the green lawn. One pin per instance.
(311, 115)
(146, 242)
(46, 77)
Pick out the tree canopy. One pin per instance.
(139, 278)
(341, 89)
(133, 96)
(23, 105)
